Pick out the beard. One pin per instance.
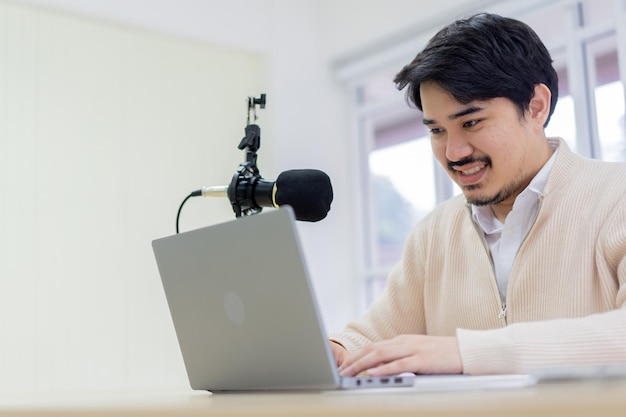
(502, 195)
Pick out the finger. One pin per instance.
(351, 359)
(374, 354)
(337, 354)
(395, 367)
(374, 358)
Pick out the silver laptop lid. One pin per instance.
(243, 306)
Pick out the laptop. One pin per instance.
(244, 310)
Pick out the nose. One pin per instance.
(458, 147)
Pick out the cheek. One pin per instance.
(509, 153)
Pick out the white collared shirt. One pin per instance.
(505, 239)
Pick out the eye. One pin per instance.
(471, 123)
(436, 131)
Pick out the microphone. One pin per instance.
(308, 192)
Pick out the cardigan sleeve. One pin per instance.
(399, 309)
(597, 339)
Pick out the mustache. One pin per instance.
(469, 160)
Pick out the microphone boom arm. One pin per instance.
(241, 190)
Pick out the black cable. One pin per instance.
(193, 194)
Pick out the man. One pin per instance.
(526, 269)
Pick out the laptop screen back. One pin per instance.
(243, 306)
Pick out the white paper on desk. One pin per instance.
(472, 382)
(606, 371)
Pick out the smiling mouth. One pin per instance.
(474, 163)
(472, 171)
(469, 171)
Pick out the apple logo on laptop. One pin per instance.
(234, 307)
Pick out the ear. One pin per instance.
(539, 106)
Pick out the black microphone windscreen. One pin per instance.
(308, 191)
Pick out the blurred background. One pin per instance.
(111, 112)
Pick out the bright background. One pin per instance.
(111, 112)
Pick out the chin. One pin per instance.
(473, 197)
(488, 200)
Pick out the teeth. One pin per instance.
(470, 171)
(473, 170)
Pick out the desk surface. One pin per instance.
(595, 398)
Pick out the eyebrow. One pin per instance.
(464, 112)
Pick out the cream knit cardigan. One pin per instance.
(566, 298)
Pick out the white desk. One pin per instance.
(593, 398)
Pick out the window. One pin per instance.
(403, 191)
(608, 97)
(404, 182)
(611, 125)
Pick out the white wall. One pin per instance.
(239, 24)
(103, 131)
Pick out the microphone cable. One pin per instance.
(193, 194)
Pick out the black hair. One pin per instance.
(483, 57)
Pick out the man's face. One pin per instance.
(485, 146)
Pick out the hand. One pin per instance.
(339, 352)
(406, 353)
